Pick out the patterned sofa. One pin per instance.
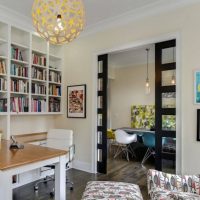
(110, 190)
(163, 186)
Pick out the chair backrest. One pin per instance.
(149, 139)
(123, 137)
(61, 139)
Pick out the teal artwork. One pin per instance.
(197, 87)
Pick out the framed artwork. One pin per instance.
(76, 101)
(197, 87)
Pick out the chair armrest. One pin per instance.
(71, 152)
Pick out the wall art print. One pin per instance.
(197, 87)
(143, 116)
(76, 101)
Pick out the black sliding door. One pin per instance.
(165, 102)
(102, 76)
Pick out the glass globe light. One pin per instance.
(58, 21)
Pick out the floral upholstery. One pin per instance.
(107, 190)
(163, 186)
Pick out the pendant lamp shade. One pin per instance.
(58, 21)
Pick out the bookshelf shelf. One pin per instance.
(38, 80)
(54, 96)
(54, 57)
(19, 77)
(39, 66)
(2, 91)
(54, 69)
(39, 95)
(41, 53)
(3, 58)
(3, 41)
(54, 83)
(20, 46)
(3, 75)
(19, 61)
(19, 93)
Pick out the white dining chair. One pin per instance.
(124, 141)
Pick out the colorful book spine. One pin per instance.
(38, 105)
(54, 105)
(38, 60)
(19, 104)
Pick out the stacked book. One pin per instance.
(18, 70)
(54, 90)
(2, 67)
(54, 105)
(19, 86)
(38, 105)
(16, 53)
(19, 104)
(38, 60)
(39, 74)
(3, 105)
(3, 84)
(38, 88)
(54, 76)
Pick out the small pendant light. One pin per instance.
(147, 84)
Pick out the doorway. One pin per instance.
(102, 112)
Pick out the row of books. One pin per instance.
(54, 77)
(38, 105)
(19, 104)
(38, 60)
(54, 105)
(3, 105)
(19, 86)
(54, 90)
(3, 84)
(16, 53)
(39, 74)
(38, 88)
(3, 67)
(18, 70)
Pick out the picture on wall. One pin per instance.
(76, 101)
(197, 87)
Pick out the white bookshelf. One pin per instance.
(17, 47)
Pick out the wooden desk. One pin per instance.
(31, 157)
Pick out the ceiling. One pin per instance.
(132, 57)
(96, 10)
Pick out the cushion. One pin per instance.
(160, 194)
(109, 190)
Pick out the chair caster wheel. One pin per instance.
(71, 188)
(36, 188)
(52, 194)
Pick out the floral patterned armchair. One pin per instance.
(164, 186)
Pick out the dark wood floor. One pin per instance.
(118, 170)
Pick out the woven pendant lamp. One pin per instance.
(58, 21)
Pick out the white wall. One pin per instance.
(127, 89)
(31, 124)
(79, 65)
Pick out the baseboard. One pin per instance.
(83, 166)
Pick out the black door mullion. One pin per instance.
(102, 111)
(159, 111)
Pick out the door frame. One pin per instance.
(153, 40)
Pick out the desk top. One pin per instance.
(30, 154)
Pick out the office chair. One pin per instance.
(59, 139)
(149, 142)
(124, 141)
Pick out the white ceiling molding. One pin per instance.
(149, 10)
(15, 19)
